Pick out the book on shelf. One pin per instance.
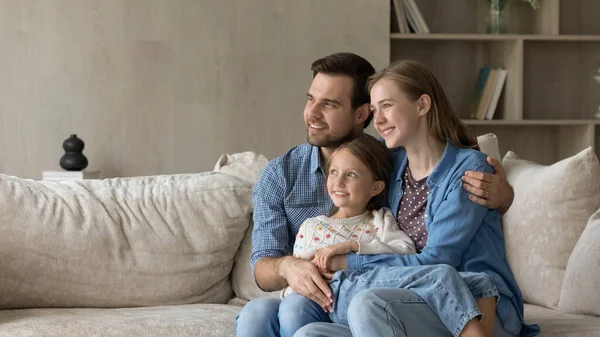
(69, 175)
(488, 88)
(409, 18)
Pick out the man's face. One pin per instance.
(328, 114)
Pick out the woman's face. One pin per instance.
(396, 116)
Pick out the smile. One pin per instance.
(317, 127)
(342, 194)
(386, 131)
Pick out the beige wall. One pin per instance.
(167, 86)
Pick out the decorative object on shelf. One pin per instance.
(73, 159)
(597, 78)
(495, 19)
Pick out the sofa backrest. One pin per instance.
(140, 241)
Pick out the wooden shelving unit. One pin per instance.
(547, 107)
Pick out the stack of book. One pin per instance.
(409, 17)
(487, 92)
(69, 175)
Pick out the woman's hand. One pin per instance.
(324, 255)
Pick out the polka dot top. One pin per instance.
(412, 210)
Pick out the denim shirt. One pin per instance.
(462, 234)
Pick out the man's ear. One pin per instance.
(424, 104)
(362, 113)
(377, 188)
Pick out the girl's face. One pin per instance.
(396, 116)
(350, 184)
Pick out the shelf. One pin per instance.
(552, 56)
(532, 122)
(466, 59)
(499, 37)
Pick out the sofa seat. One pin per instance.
(555, 323)
(208, 320)
(199, 320)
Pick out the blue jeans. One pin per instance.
(262, 317)
(442, 285)
(387, 312)
(450, 294)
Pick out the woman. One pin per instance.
(433, 150)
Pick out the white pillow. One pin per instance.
(551, 208)
(243, 283)
(580, 293)
(488, 144)
(140, 241)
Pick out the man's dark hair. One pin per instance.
(353, 66)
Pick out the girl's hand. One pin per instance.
(324, 255)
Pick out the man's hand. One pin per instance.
(323, 255)
(490, 190)
(305, 279)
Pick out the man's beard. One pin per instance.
(329, 141)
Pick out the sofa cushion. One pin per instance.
(244, 285)
(198, 320)
(559, 324)
(488, 144)
(551, 208)
(246, 166)
(120, 242)
(579, 292)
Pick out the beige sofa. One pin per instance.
(168, 255)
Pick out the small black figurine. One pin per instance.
(73, 159)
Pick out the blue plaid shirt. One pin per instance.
(290, 190)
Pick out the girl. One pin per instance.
(356, 176)
(433, 150)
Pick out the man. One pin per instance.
(292, 189)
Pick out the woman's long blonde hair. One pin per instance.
(415, 80)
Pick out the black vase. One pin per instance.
(73, 159)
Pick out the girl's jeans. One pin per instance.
(449, 294)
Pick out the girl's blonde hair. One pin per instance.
(415, 80)
(375, 156)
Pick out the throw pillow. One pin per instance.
(243, 283)
(550, 210)
(579, 294)
(123, 242)
(488, 144)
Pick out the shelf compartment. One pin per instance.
(469, 16)
(545, 144)
(456, 64)
(558, 80)
(579, 17)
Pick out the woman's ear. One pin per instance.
(424, 104)
(362, 113)
(378, 187)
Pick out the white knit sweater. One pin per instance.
(376, 232)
